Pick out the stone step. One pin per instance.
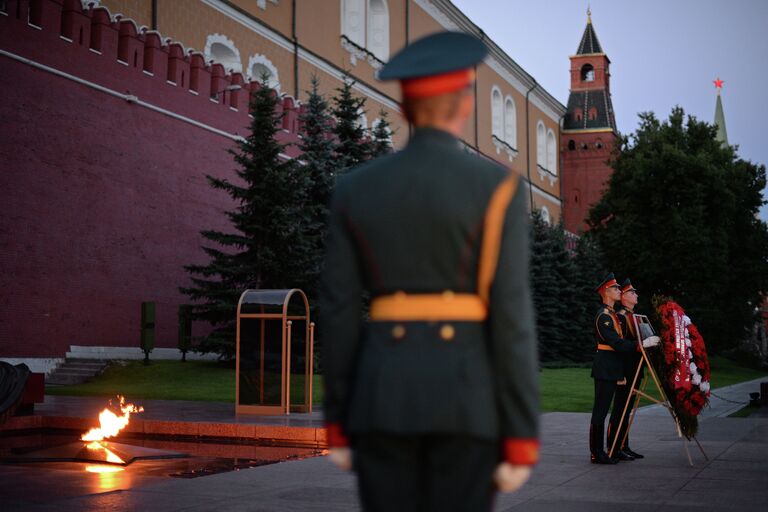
(63, 370)
(67, 379)
(95, 367)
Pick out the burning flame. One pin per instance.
(111, 423)
(103, 469)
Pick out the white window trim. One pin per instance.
(512, 141)
(224, 41)
(355, 50)
(274, 79)
(368, 21)
(499, 139)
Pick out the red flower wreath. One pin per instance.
(684, 365)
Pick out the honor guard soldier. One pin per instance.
(608, 364)
(631, 362)
(435, 397)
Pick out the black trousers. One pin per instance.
(620, 399)
(428, 473)
(604, 391)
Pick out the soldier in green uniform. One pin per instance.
(435, 398)
(631, 362)
(608, 364)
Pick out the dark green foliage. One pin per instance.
(318, 148)
(588, 271)
(679, 218)
(551, 272)
(564, 273)
(266, 247)
(381, 136)
(354, 143)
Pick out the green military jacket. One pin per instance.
(631, 359)
(412, 221)
(609, 364)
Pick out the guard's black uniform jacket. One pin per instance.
(412, 221)
(609, 364)
(631, 359)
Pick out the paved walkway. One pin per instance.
(734, 478)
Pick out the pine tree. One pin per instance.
(265, 246)
(588, 271)
(317, 147)
(354, 143)
(551, 272)
(381, 136)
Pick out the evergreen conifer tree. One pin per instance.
(551, 272)
(265, 247)
(317, 147)
(381, 136)
(354, 144)
(588, 271)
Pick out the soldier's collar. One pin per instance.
(609, 308)
(433, 136)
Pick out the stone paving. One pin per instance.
(734, 478)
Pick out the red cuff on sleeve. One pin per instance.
(521, 451)
(336, 438)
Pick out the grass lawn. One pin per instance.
(562, 389)
(173, 380)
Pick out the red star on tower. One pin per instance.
(718, 83)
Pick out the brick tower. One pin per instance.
(589, 131)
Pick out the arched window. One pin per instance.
(366, 24)
(510, 122)
(571, 145)
(259, 66)
(578, 114)
(353, 21)
(497, 114)
(551, 152)
(222, 50)
(378, 29)
(541, 148)
(592, 113)
(587, 73)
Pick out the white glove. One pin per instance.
(342, 457)
(509, 478)
(651, 341)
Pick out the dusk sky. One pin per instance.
(663, 53)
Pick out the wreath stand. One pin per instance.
(644, 361)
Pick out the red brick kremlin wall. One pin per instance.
(103, 195)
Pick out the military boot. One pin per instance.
(597, 454)
(619, 453)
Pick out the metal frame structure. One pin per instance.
(253, 297)
(645, 361)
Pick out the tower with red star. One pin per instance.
(722, 134)
(589, 131)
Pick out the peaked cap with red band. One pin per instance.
(626, 286)
(436, 64)
(609, 281)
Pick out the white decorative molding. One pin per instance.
(545, 173)
(545, 215)
(286, 44)
(504, 146)
(274, 76)
(235, 63)
(543, 193)
(356, 52)
(107, 353)
(89, 3)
